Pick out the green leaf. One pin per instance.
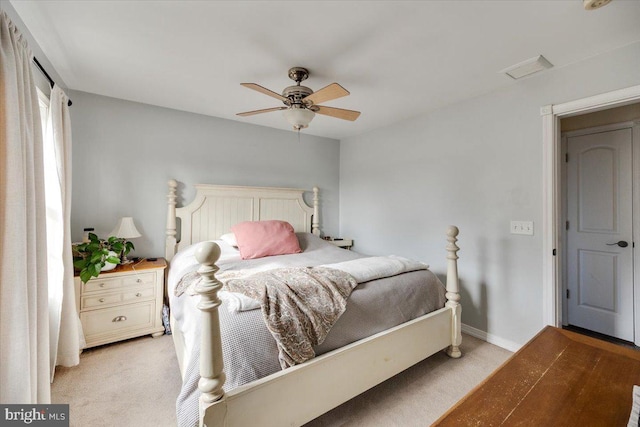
(92, 247)
(79, 263)
(93, 238)
(85, 275)
(117, 247)
(95, 269)
(113, 260)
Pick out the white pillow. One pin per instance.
(230, 239)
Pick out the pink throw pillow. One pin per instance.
(257, 239)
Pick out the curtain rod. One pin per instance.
(51, 82)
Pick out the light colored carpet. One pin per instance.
(421, 394)
(129, 383)
(135, 383)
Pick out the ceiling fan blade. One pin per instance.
(338, 113)
(327, 93)
(266, 110)
(265, 91)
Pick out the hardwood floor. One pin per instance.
(559, 378)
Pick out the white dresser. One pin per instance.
(123, 303)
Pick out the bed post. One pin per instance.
(315, 223)
(170, 240)
(453, 292)
(212, 376)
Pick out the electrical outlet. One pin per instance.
(522, 227)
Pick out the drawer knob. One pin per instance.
(101, 300)
(102, 285)
(138, 294)
(119, 319)
(138, 280)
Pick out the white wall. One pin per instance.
(125, 152)
(478, 165)
(35, 47)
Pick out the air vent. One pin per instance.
(525, 68)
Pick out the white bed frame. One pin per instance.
(303, 392)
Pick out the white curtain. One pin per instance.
(66, 338)
(24, 319)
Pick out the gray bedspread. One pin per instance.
(299, 304)
(250, 351)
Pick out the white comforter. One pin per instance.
(361, 269)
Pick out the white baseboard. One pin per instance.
(491, 339)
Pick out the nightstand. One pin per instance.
(342, 243)
(123, 303)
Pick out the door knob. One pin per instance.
(621, 243)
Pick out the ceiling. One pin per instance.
(398, 59)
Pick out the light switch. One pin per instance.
(522, 227)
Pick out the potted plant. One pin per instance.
(90, 258)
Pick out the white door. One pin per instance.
(599, 237)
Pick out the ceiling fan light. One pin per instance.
(594, 4)
(299, 118)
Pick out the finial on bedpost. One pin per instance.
(453, 291)
(315, 224)
(170, 240)
(212, 375)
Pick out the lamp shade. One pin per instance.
(298, 117)
(126, 229)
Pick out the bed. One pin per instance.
(300, 393)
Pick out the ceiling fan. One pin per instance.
(301, 103)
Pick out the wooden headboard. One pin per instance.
(216, 208)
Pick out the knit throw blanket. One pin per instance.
(300, 305)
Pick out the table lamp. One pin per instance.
(126, 229)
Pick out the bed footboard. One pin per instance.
(308, 390)
(453, 292)
(211, 365)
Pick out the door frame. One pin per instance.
(552, 244)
